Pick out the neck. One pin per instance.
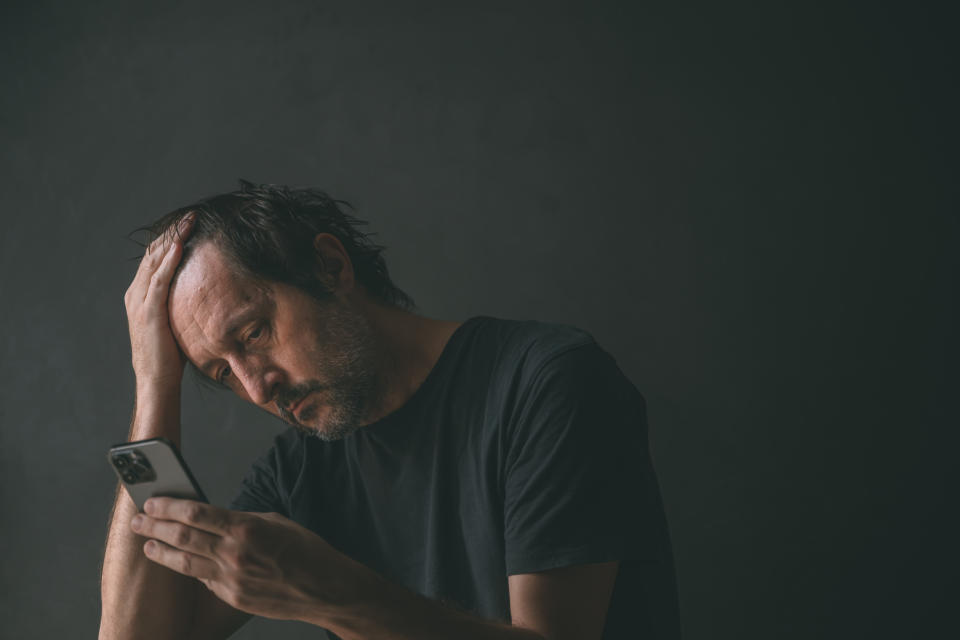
(410, 346)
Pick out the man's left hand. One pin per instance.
(261, 563)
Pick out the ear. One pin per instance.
(333, 266)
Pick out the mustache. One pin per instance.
(288, 396)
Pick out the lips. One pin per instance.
(296, 406)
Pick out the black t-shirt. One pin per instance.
(524, 449)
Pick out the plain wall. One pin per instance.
(753, 208)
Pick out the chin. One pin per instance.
(322, 421)
(311, 425)
(321, 434)
(328, 433)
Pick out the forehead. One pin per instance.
(205, 296)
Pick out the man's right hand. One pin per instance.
(157, 360)
(141, 598)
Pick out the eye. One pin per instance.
(255, 334)
(222, 376)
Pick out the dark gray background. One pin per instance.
(752, 208)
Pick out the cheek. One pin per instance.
(305, 354)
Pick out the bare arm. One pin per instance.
(270, 566)
(127, 574)
(569, 603)
(140, 598)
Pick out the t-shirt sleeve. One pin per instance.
(576, 462)
(263, 487)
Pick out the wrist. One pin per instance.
(150, 380)
(355, 592)
(156, 412)
(381, 609)
(151, 389)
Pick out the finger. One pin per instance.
(143, 282)
(196, 514)
(183, 562)
(157, 250)
(185, 226)
(160, 280)
(148, 264)
(177, 534)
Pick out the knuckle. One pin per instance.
(146, 528)
(239, 559)
(234, 558)
(237, 600)
(156, 506)
(193, 512)
(182, 536)
(244, 558)
(153, 257)
(185, 563)
(243, 586)
(244, 531)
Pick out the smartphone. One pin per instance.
(153, 467)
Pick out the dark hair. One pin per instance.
(266, 231)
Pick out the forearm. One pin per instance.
(389, 612)
(140, 598)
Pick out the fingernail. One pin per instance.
(148, 506)
(137, 521)
(149, 547)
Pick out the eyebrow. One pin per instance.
(239, 319)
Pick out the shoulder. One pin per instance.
(533, 365)
(528, 354)
(523, 347)
(542, 333)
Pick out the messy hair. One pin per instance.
(267, 231)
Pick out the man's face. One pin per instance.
(312, 364)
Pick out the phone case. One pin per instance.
(153, 467)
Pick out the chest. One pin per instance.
(415, 504)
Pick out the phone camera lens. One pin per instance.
(140, 461)
(120, 462)
(129, 477)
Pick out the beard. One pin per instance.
(354, 390)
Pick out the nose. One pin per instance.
(260, 380)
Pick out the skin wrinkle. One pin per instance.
(213, 320)
(246, 312)
(327, 349)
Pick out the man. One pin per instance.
(483, 479)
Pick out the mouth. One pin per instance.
(293, 408)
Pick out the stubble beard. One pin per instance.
(356, 390)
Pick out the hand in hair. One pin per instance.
(157, 360)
